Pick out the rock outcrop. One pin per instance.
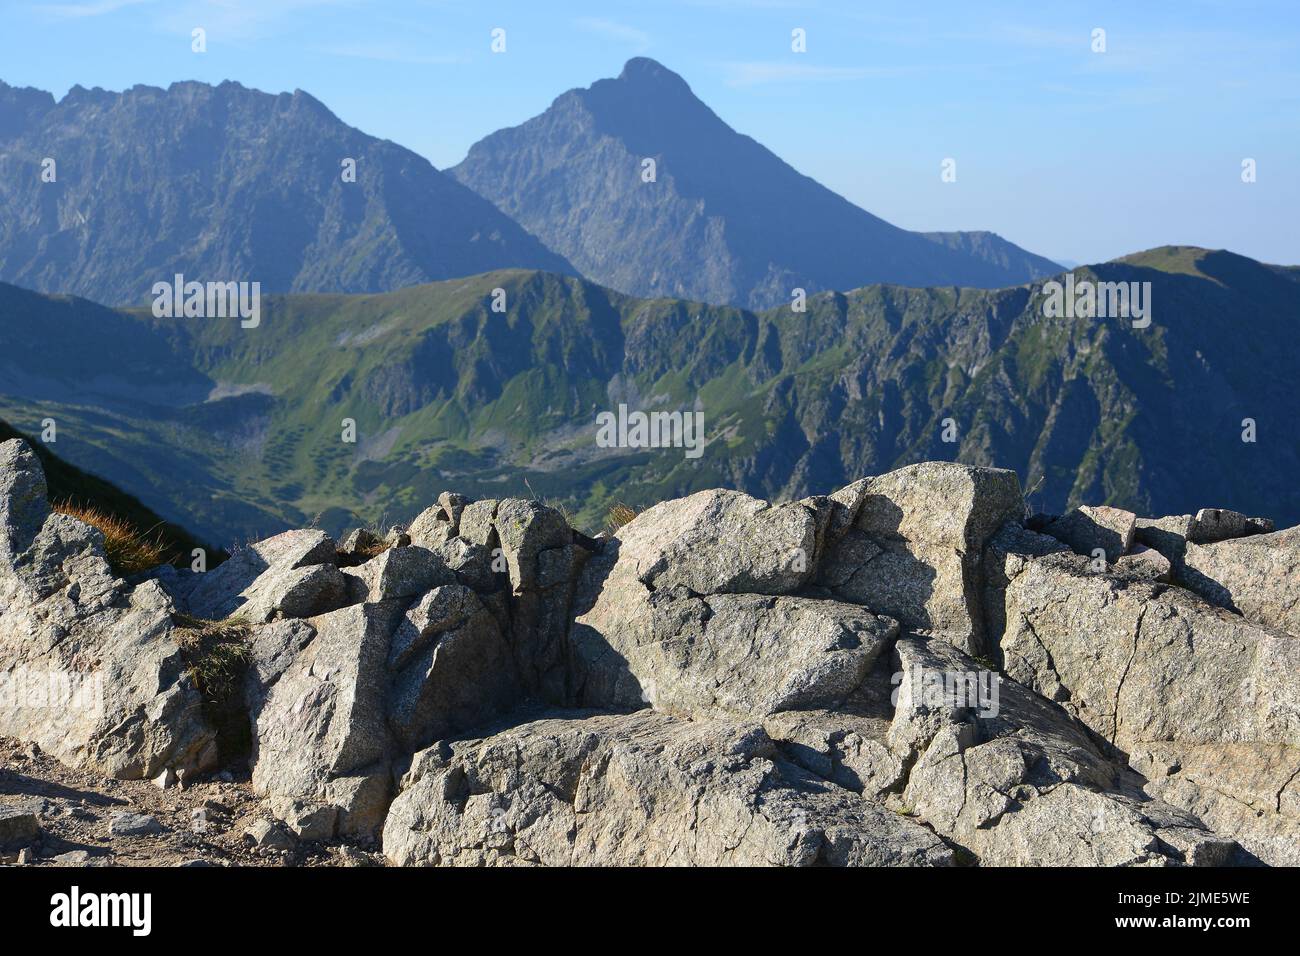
(638, 789)
(91, 669)
(905, 672)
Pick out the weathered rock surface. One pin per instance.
(404, 572)
(93, 668)
(19, 826)
(722, 542)
(1160, 673)
(452, 667)
(641, 789)
(322, 734)
(430, 528)
(1138, 662)
(1088, 530)
(1257, 576)
(1145, 564)
(536, 544)
(255, 578)
(1018, 783)
(1251, 791)
(1217, 524)
(920, 538)
(740, 655)
(795, 684)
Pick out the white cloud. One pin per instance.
(243, 19)
(754, 73)
(392, 53)
(613, 30)
(73, 11)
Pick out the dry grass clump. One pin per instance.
(371, 549)
(130, 550)
(373, 541)
(618, 516)
(217, 655)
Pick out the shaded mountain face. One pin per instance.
(228, 184)
(1019, 265)
(447, 393)
(725, 221)
(68, 486)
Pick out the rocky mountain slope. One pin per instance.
(226, 184)
(907, 672)
(725, 221)
(229, 431)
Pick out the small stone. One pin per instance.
(165, 780)
(124, 824)
(351, 856)
(308, 821)
(269, 835)
(360, 540)
(18, 825)
(24, 856)
(1145, 563)
(1089, 529)
(1217, 524)
(72, 858)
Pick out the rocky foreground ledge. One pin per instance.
(910, 671)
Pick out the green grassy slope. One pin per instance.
(448, 394)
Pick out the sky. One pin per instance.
(1073, 153)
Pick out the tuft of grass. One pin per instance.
(130, 550)
(618, 516)
(217, 655)
(377, 545)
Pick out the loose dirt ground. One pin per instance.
(74, 808)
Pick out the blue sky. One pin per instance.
(1070, 153)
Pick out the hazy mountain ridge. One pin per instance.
(726, 220)
(226, 183)
(993, 249)
(447, 393)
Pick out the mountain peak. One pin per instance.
(419, 226)
(728, 221)
(647, 73)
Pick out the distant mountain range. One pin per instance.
(724, 221)
(229, 184)
(382, 300)
(237, 431)
(226, 183)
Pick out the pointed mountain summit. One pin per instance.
(725, 221)
(226, 183)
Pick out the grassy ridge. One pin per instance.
(447, 393)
